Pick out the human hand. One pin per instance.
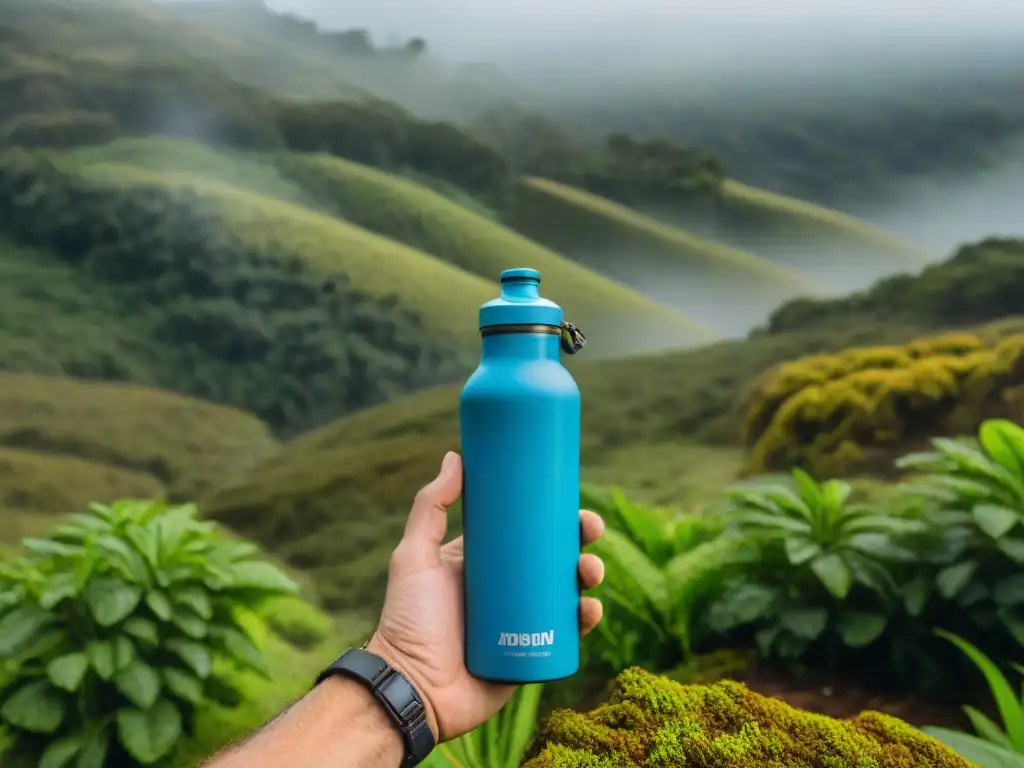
(421, 625)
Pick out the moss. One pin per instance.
(652, 721)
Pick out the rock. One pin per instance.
(652, 721)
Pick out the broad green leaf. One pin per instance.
(183, 685)
(1009, 707)
(140, 683)
(61, 585)
(742, 604)
(834, 574)
(805, 623)
(159, 605)
(240, 648)
(124, 652)
(1012, 548)
(196, 599)
(142, 629)
(642, 578)
(127, 559)
(18, 627)
(67, 672)
(985, 727)
(834, 493)
(995, 520)
(1010, 591)
(1003, 440)
(860, 629)
(262, 576)
(60, 753)
(37, 707)
(102, 658)
(111, 600)
(799, 551)
(193, 654)
(767, 522)
(149, 735)
(94, 751)
(250, 622)
(49, 547)
(951, 580)
(190, 624)
(915, 594)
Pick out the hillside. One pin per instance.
(372, 215)
(653, 408)
(720, 285)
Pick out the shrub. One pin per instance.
(654, 721)
(297, 622)
(822, 576)
(659, 574)
(59, 130)
(851, 422)
(118, 625)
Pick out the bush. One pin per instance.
(849, 412)
(118, 625)
(296, 622)
(60, 130)
(654, 721)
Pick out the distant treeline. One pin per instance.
(980, 282)
(239, 325)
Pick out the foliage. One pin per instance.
(61, 129)
(501, 742)
(979, 283)
(821, 577)
(993, 747)
(836, 416)
(973, 501)
(660, 572)
(112, 627)
(654, 721)
(240, 325)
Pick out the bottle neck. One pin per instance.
(521, 346)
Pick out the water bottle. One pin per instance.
(520, 423)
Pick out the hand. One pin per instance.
(421, 625)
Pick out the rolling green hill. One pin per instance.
(443, 280)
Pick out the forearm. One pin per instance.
(337, 725)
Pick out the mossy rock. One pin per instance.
(652, 721)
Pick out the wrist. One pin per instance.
(381, 647)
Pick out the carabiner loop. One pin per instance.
(572, 339)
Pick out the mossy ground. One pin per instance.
(652, 721)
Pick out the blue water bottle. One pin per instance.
(520, 422)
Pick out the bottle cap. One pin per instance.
(520, 302)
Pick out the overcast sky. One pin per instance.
(504, 30)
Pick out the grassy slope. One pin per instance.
(397, 237)
(670, 264)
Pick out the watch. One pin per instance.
(396, 695)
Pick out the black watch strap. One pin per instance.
(395, 693)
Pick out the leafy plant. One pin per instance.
(501, 742)
(659, 572)
(994, 746)
(818, 551)
(118, 625)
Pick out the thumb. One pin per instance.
(428, 520)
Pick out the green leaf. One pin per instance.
(1010, 591)
(1012, 548)
(241, 648)
(805, 623)
(111, 600)
(48, 547)
(739, 605)
(915, 595)
(860, 629)
(140, 683)
(183, 685)
(124, 652)
(60, 753)
(951, 580)
(149, 735)
(101, 656)
(36, 707)
(978, 751)
(799, 550)
(94, 753)
(263, 576)
(193, 654)
(18, 627)
(61, 586)
(195, 599)
(1004, 442)
(834, 574)
(159, 605)
(995, 520)
(67, 672)
(142, 629)
(1009, 707)
(190, 624)
(985, 727)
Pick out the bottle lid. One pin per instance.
(520, 302)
